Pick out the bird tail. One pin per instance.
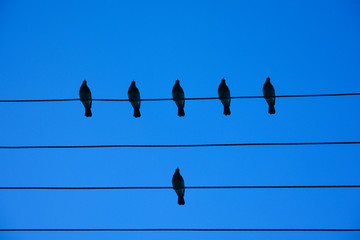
(181, 112)
(88, 112)
(137, 112)
(181, 200)
(271, 109)
(227, 110)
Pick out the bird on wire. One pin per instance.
(224, 96)
(134, 98)
(269, 95)
(178, 96)
(85, 98)
(179, 186)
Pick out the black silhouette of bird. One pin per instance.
(269, 95)
(178, 96)
(179, 186)
(224, 96)
(134, 98)
(85, 98)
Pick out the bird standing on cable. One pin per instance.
(85, 98)
(134, 98)
(179, 186)
(269, 95)
(179, 98)
(224, 96)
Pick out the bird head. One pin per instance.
(84, 82)
(177, 81)
(223, 80)
(268, 79)
(177, 170)
(133, 83)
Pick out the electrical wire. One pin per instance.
(170, 99)
(192, 187)
(179, 230)
(182, 145)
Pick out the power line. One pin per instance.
(170, 99)
(193, 187)
(179, 230)
(182, 145)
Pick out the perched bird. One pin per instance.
(178, 96)
(269, 95)
(134, 98)
(179, 186)
(85, 98)
(224, 96)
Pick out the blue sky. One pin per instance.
(47, 48)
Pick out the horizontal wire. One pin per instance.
(169, 99)
(179, 229)
(183, 145)
(194, 187)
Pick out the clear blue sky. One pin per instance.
(47, 48)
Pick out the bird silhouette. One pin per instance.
(85, 98)
(269, 95)
(224, 96)
(179, 186)
(134, 98)
(178, 96)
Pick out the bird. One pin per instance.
(178, 96)
(179, 186)
(224, 96)
(85, 98)
(134, 98)
(269, 95)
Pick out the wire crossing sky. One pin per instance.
(186, 187)
(309, 49)
(180, 230)
(170, 99)
(184, 145)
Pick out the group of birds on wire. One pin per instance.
(179, 97)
